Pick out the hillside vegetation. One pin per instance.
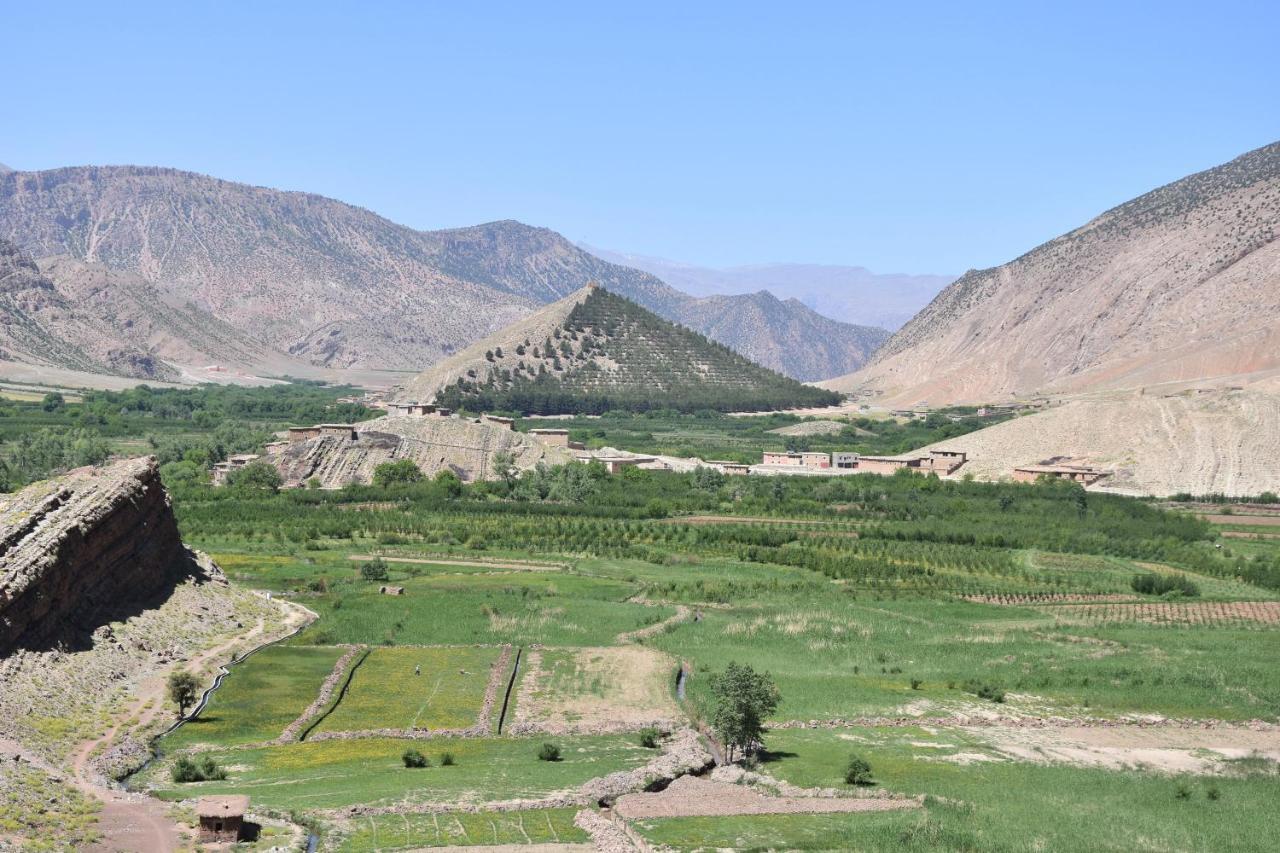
(608, 353)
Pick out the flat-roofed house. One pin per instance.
(844, 459)
(1083, 474)
(813, 459)
(553, 437)
(221, 818)
(781, 458)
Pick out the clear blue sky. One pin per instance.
(932, 137)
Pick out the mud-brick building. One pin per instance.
(221, 818)
(552, 437)
(1083, 474)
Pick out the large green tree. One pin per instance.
(399, 472)
(742, 699)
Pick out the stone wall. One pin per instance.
(93, 542)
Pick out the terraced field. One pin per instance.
(260, 697)
(417, 689)
(334, 774)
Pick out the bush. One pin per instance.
(446, 759)
(400, 472)
(256, 475)
(548, 752)
(1182, 791)
(413, 758)
(915, 683)
(1151, 583)
(858, 772)
(374, 570)
(984, 690)
(649, 738)
(197, 769)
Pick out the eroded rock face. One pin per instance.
(93, 542)
(461, 445)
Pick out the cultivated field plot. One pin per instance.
(334, 774)
(551, 608)
(597, 689)
(1057, 806)
(413, 687)
(874, 831)
(1233, 613)
(840, 656)
(259, 697)
(412, 831)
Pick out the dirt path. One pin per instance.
(682, 614)
(744, 519)
(133, 823)
(424, 561)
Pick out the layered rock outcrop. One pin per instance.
(464, 446)
(94, 542)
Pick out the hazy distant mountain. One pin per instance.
(4, 169)
(595, 351)
(1180, 284)
(340, 286)
(849, 294)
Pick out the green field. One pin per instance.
(259, 697)
(408, 832)
(337, 773)
(385, 692)
(523, 608)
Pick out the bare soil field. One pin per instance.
(1166, 748)
(815, 427)
(690, 796)
(1247, 520)
(595, 690)
(1171, 612)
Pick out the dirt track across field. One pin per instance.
(516, 565)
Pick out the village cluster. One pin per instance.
(942, 462)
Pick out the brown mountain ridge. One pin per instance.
(1181, 284)
(339, 286)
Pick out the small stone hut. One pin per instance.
(221, 818)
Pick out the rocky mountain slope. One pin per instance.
(94, 541)
(342, 287)
(1199, 442)
(594, 351)
(1181, 284)
(41, 324)
(849, 294)
(65, 313)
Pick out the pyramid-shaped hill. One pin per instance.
(595, 351)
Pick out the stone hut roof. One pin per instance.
(234, 805)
